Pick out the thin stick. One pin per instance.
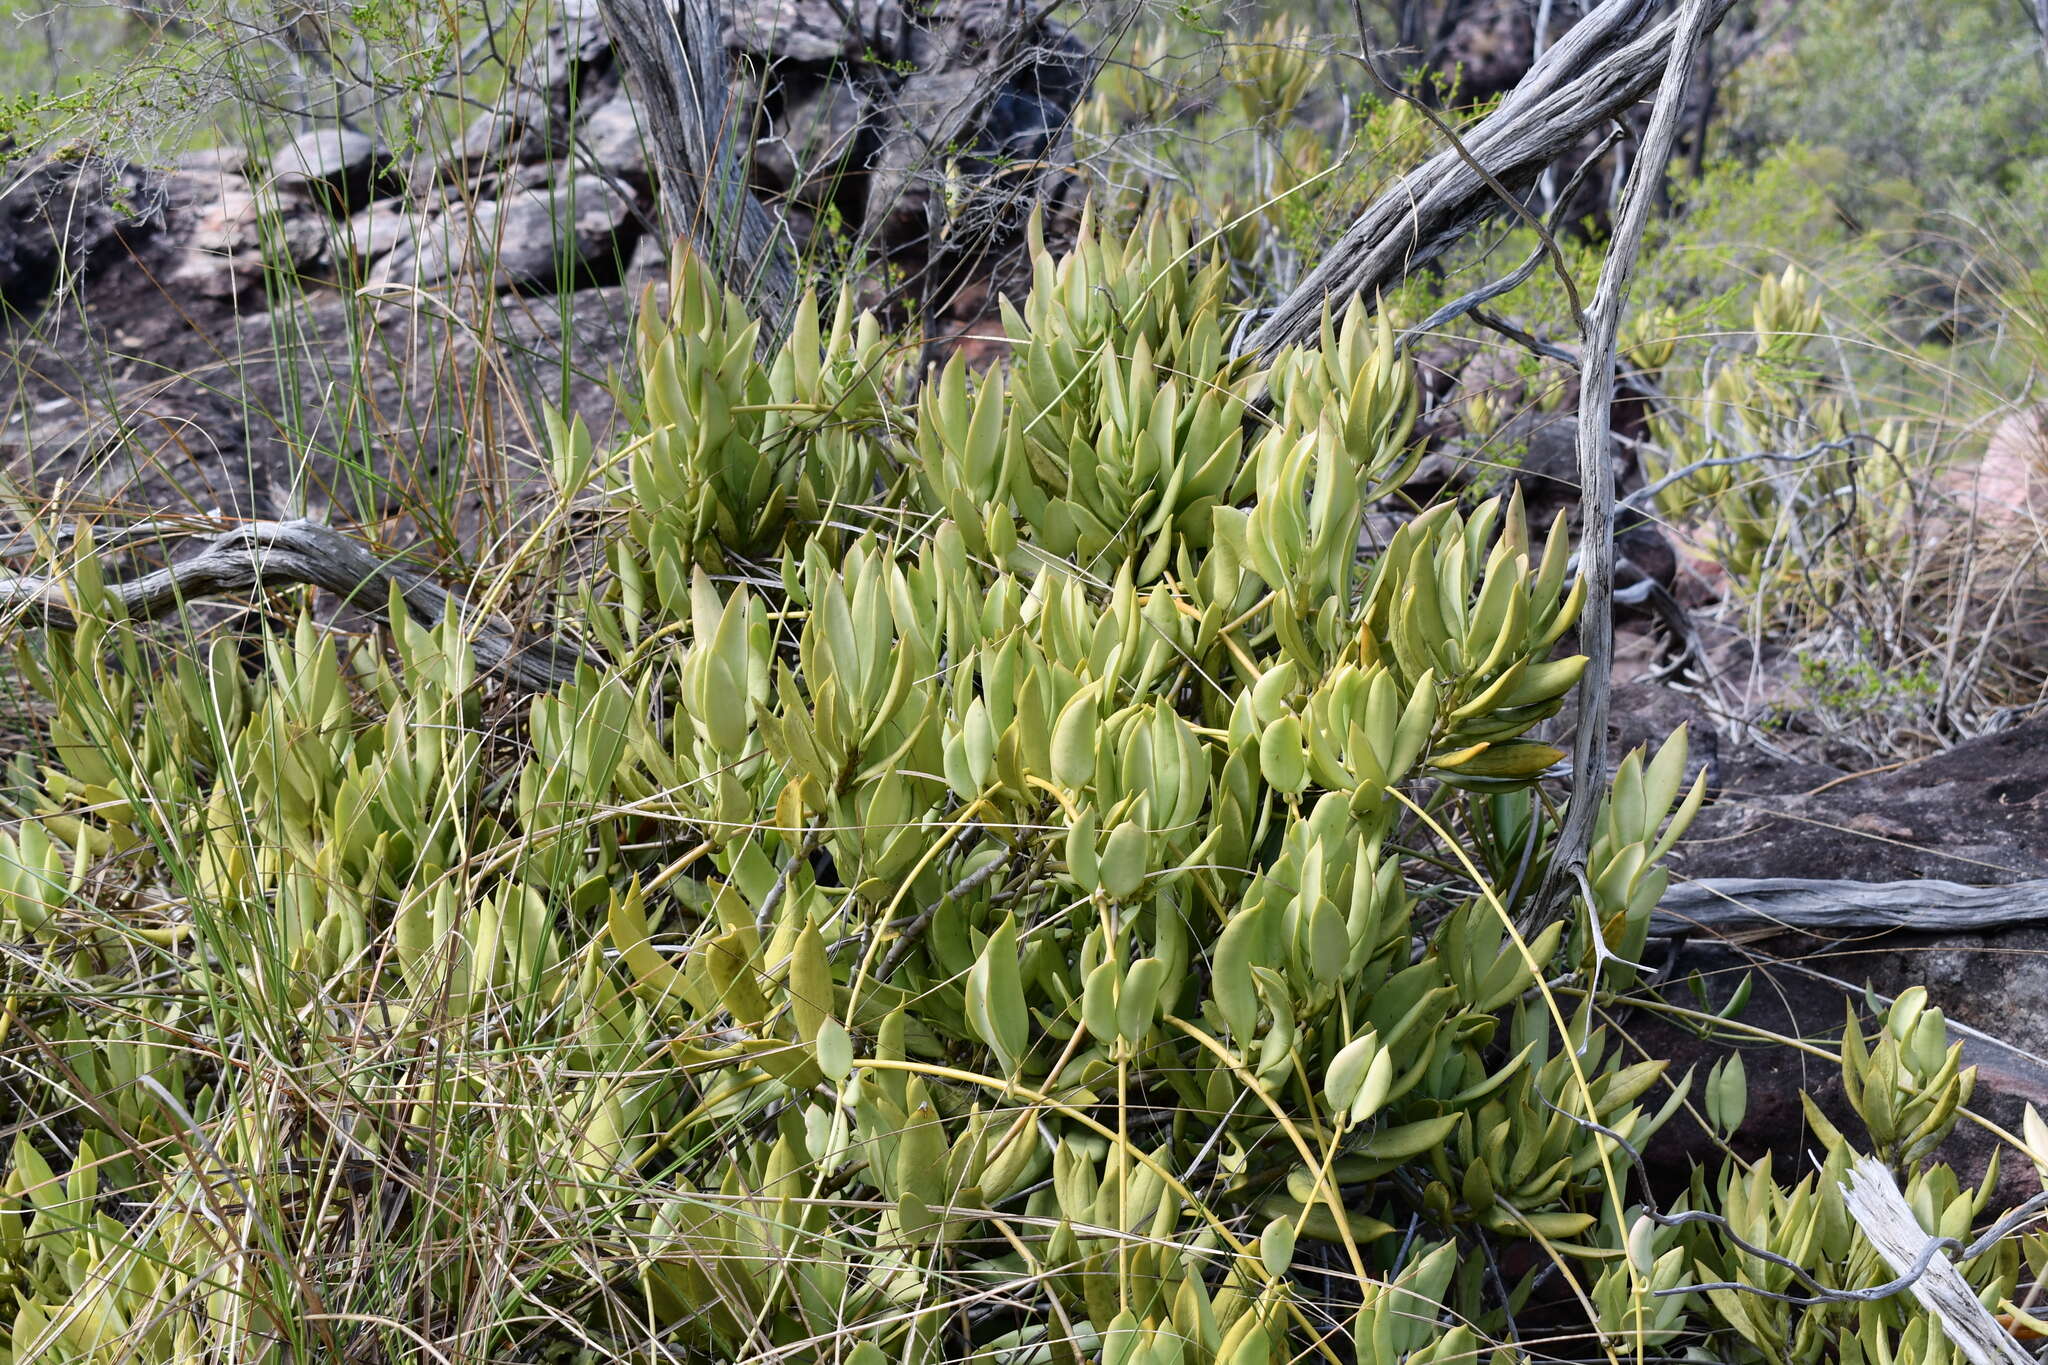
(1596, 466)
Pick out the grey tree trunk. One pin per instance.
(673, 55)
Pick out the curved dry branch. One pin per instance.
(272, 554)
(1594, 72)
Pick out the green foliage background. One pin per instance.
(1012, 878)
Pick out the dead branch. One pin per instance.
(1604, 64)
(1891, 1226)
(1928, 907)
(674, 60)
(274, 554)
(1601, 329)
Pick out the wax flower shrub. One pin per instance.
(1011, 881)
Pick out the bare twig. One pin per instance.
(764, 918)
(914, 931)
(1515, 278)
(1642, 496)
(1535, 345)
(1923, 1270)
(1594, 71)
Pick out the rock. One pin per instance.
(337, 167)
(237, 230)
(60, 219)
(536, 237)
(376, 232)
(571, 60)
(997, 93)
(1642, 716)
(1491, 48)
(648, 266)
(215, 160)
(846, 113)
(1978, 814)
(899, 192)
(148, 445)
(819, 140)
(166, 385)
(523, 130)
(1805, 991)
(1541, 452)
(611, 139)
(394, 402)
(2009, 485)
(808, 32)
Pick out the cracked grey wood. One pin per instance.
(1599, 331)
(271, 554)
(1927, 907)
(1889, 1225)
(1601, 66)
(674, 61)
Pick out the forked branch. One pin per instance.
(274, 554)
(1604, 64)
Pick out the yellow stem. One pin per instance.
(1288, 1126)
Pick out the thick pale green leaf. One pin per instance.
(1408, 1139)
(995, 996)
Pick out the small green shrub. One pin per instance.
(1019, 887)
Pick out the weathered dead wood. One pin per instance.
(1599, 331)
(673, 55)
(1604, 64)
(1926, 907)
(274, 554)
(1887, 1221)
